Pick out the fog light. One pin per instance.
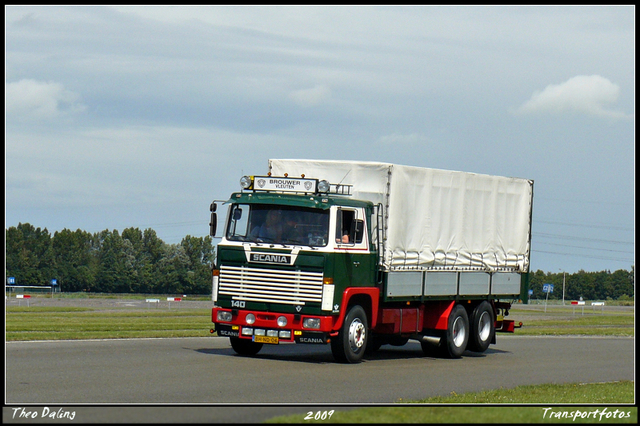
(272, 333)
(282, 321)
(259, 332)
(311, 323)
(247, 331)
(224, 316)
(250, 319)
(285, 334)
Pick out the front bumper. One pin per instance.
(266, 329)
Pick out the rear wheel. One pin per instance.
(350, 344)
(482, 327)
(245, 346)
(457, 335)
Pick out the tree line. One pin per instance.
(133, 261)
(136, 261)
(603, 285)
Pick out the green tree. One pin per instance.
(536, 281)
(75, 264)
(200, 252)
(173, 268)
(29, 255)
(117, 260)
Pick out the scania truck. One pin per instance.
(356, 255)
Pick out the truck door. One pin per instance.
(352, 242)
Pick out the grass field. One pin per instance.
(78, 319)
(565, 321)
(61, 323)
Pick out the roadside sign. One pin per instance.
(11, 280)
(547, 288)
(173, 299)
(54, 282)
(23, 296)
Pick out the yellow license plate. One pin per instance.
(266, 339)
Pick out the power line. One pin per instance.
(584, 225)
(571, 237)
(565, 200)
(616, 259)
(587, 248)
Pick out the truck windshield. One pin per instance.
(285, 225)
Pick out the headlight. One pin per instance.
(323, 186)
(224, 316)
(311, 323)
(282, 321)
(250, 319)
(246, 182)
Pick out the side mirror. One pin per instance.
(213, 224)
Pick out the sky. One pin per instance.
(140, 116)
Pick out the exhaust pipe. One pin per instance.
(430, 339)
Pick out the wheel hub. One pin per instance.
(356, 334)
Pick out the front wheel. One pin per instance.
(350, 344)
(245, 346)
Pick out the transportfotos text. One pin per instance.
(598, 414)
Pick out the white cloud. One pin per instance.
(396, 139)
(588, 94)
(31, 99)
(311, 97)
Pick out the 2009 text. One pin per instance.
(319, 415)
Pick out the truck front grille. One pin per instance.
(270, 285)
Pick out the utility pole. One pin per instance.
(564, 275)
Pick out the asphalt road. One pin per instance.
(215, 385)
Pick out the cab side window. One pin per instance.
(349, 229)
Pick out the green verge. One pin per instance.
(47, 323)
(54, 323)
(454, 410)
(568, 323)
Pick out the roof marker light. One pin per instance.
(323, 186)
(246, 182)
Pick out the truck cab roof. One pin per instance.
(321, 201)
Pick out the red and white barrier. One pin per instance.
(24, 296)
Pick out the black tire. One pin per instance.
(482, 327)
(245, 346)
(350, 344)
(457, 335)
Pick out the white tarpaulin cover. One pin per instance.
(437, 219)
